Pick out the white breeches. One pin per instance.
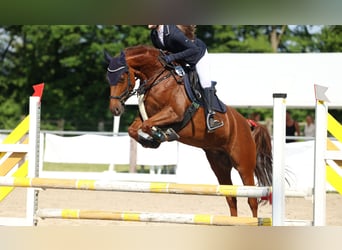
(203, 70)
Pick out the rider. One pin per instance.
(181, 41)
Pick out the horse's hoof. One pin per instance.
(148, 143)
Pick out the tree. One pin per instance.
(259, 38)
(331, 41)
(69, 59)
(11, 107)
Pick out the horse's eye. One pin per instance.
(122, 78)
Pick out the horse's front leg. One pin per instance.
(166, 116)
(144, 139)
(134, 128)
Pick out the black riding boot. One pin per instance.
(212, 124)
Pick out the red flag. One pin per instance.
(38, 90)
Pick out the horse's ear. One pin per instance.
(107, 57)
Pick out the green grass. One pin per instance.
(73, 167)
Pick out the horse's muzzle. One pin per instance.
(117, 109)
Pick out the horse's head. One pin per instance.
(121, 81)
(138, 62)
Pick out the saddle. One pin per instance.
(195, 91)
(192, 84)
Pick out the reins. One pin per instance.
(145, 86)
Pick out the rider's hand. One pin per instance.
(168, 59)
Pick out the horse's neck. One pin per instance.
(141, 55)
(145, 67)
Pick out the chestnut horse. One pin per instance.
(164, 101)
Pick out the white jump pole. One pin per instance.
(319, 197)
(278, 190)
(116, 125)
(33, 154)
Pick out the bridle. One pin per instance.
(143, 88)
(127, 93)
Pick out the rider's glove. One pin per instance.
(168, 59)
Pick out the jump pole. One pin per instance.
(116, 125)
(278, 190)
(32, 149)
(197, 219)
(144, 187)
(33, 154)
(319, 197)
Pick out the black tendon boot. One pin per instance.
(212, 124)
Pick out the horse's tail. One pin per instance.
(263, 170)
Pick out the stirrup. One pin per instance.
(213, 124)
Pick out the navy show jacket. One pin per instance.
(181, 47)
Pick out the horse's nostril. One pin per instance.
(116, 111)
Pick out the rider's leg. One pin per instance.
(203, 70)
(212, 123)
